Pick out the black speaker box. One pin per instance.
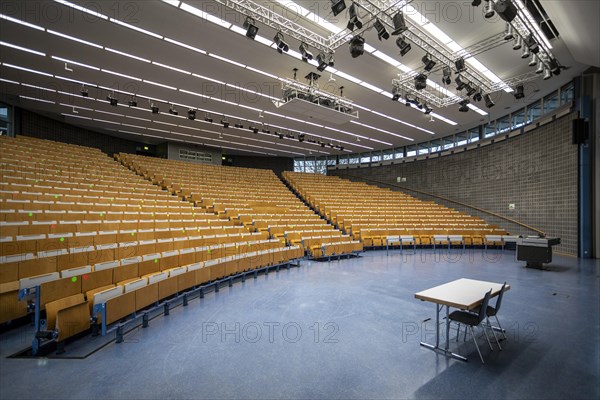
(580, 131)
(505, 9)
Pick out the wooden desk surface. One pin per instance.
(463, 293)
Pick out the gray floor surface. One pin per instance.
(342, 329)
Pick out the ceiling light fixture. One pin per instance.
(306, 55)
(191, 114)
(112, 99)
(357, 46)
(518, 43)
(460, 65)
(464, 106)
(172, 110)
(132, 102)
(403, 45)
(382, 33)
(337, 6)
(489, 9)
(399, 23)
(534, 60)
(446, 75)
(154, 108)
(84, 91)
(519, 92)
(489, 103)
(428, 62)
(508, 32)
(354, 21)
(208, 118)
(281, 45)
(420, 81)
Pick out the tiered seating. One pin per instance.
(380, 216)
(254, 198)
(89, 231)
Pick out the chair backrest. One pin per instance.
(499, 301)
(484, 305)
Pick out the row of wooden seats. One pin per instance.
(336, 248)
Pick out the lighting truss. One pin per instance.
(293, 89)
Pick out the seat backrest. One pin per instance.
(484, 305)
(499, 301)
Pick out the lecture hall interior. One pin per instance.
(299, 199)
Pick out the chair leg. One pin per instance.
(487, 337)
(493, 332)
(476, 345)
(465, 337)
(500, 326)
(457, 331)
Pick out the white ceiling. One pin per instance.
(393, 122)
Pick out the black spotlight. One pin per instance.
(337, 6)
(505, 9)
(301, 137)
(191, 114)
(518, 43)
(446, 75)
(396, 93)
(322, 60)
(460, 85)
(489, 103)
(281, 45)
(489, 9)
(519, 92)
(172, 110)
(478, 96)
(382, 33)
(470, 90)
(420, 81)
(399, 23)
(403, 45)
(554, 66)
(464, 106)
(132, 102)
(354, 21)
(547, 74)
(250, 27)
(531, 44)
(112, 100)
(239, 125)
(508, 32)
(428, 62)
(428, 109)
(84, 91)
(208, 118)
(254, 129)
(225, 122)
(460, 65)
(357, 46)
(407, 100)
(306, 55)
(154, 108)
(476, 3)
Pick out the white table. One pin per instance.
(465, 294)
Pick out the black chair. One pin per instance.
(472, 319)
(493, 312)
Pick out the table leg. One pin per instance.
(445, 351)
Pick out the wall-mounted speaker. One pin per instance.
(580, 131)
(505, 9)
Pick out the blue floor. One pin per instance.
(342, 329)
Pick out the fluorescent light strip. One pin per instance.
(37, 87)
(14, 46)
(174, 3)
(18, 21)
(476, 109)
(381, 130)
(126, 54)
(77, 107)
(172, 68)
(227, 60)
(444, 119)
(109, 113)
(120, 74)
(74, 39)
(262, 72)
(82, 9)
(187, 46)
(33, 71)
(135, 28)
(36, 99)
(76, 63)
(8, 81)
(76, 116)
(208, 79)
(204, 15)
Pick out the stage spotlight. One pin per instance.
(478, 96)
(357, 46)
(526, 53)
(547, 74)
(172, 110)
(428, 109)
(420, 81)
(396, 93)
(554, 66)
(112, 100)
(254, 129)
(489, 103)
(239, 125)
(382, 33)
(399, 23)
(301, 137)
(446, 75)
(407, 100)
(534, 60)
(460, 85)
(154, 108)
(508, 32)
(460, 65)
(337, 6)
(191, 114)
(505, 9)
(208, 118)
(531, 44)
(250, 27)
(225, 122)
(84, 91)
(354, 21)
(464, 106)
(324, 61)
(306, 55)
(540, 67)
(132, 102)
(518, 43)
(476, 3)
(403, 45)
(489, 9)
(470, 90)
(428, 62)
(265, 130)
(519, 92)
(281, 45)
